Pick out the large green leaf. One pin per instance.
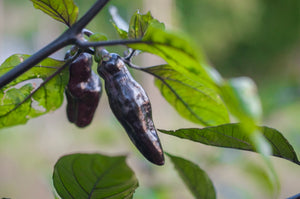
(18, 104)
(93, 176)
(241, 97)
(190, 97)
(233, 136)
(194, 177)
(64, 11)
(177, 50)
(184, 71)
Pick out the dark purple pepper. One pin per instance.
(83, 91)
(131, 106)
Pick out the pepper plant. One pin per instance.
(187, 82)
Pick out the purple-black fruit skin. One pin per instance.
(131, 106)
(83, 91)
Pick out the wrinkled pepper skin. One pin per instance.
(131, 106)
(83, 91)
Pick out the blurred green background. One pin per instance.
(255, 38)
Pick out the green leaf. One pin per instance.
(88, 176)
(184, 64)
(240, 96)
(177, 50)
(97, 37)
(139, 23)
(64, 11)
(233, 136)
(194, 177)
(190, 97)
(16, 107)
(263, 177)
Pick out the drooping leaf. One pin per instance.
(190, 97)
(16, 107)
(64, 11)
(184, 64)
(233, 136)
(263, 177)
(178, 51)
(93, 176)
(194, 177)
(240, 96)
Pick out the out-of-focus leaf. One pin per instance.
(184, 64)
(178, 51)
(190, 97)
(233, 136)
(139, 24)
(240, 96)
(64, 11)
(194, 177)
(15, 106)
(88, 176)
(263, 178)
(119, 23)
(97, 37)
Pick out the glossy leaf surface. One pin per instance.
(176, 50)
(233, 136)
(93, 176)
(64, 11)
(190, 97)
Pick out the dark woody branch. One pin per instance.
(67, 38)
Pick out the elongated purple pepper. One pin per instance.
(131, 106)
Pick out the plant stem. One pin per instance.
(89, 15)
(57, 44)
(58, 71)
(67, 38)
(84, 44)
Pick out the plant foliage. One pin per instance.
(64, 11)
(95, 176)
(21, 101)
(195, 90)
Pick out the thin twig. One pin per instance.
(59, 70)
(67, 38)
(109, 43)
